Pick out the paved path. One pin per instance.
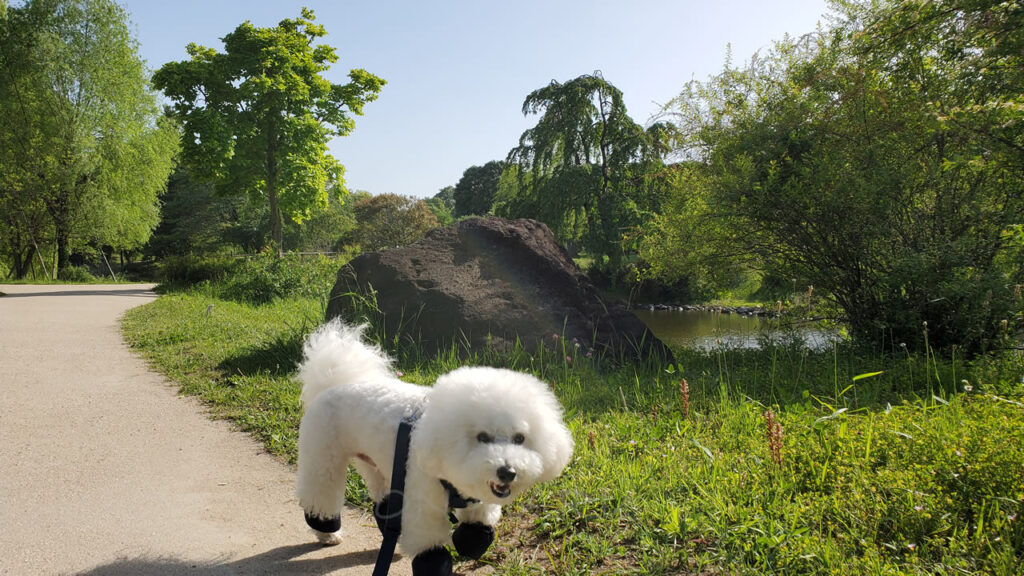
(105, 471)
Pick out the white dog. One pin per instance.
(484, 435)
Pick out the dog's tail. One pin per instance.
(336, 354)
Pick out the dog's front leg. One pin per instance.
(475, 532)
(425, 527)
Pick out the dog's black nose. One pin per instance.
(506, 474)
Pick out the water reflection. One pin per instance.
(703, 330)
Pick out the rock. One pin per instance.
(484, 282)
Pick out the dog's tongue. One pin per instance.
(501, 490)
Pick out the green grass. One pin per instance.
(51, 282)
(902, 472)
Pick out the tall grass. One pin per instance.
(869, 463)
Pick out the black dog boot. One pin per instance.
(380, 513)
(433, 562)
(472, 539)
(326, 528)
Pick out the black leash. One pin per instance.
(392, 527)
(393, 518)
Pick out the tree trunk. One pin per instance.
(63, 236)
(276, 232)
(59, 209)
(22, 264)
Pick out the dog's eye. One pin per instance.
(519, 439)
(484, 438)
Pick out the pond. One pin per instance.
(705, 329)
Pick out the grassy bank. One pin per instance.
(777, 461)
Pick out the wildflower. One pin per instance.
(967, 385)
(918, 507)
(684, 393)
(399, 373)
(554, 336)
(774, 434)
(568, 359)
(911, 546)
(1011, 517)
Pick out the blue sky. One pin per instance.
(458, 71)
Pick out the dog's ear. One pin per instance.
(559, 450)
(554, 441)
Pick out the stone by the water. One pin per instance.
(486, 282)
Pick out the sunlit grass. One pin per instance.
(886, 463)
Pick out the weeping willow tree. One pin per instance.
(583, 168)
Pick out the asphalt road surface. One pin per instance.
(106, 471)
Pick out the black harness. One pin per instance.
(392, 527)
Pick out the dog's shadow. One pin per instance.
(285, 561)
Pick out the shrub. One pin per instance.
(263, 279)
(189, 270)
(78, 274)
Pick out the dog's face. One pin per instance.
(492, 433)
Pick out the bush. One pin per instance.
(79, 274)
(141, 271)
(263, 279)
(189, 270)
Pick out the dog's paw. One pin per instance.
(472, 539)
(327, 530)
(328, 538)
(433, 562)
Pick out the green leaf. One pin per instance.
(867, 375)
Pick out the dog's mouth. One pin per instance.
(500, 490)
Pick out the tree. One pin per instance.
(389, 220)
(325, 231)
(257, 117)
(475, 191)
(82, 137)
(979, 47)
(446, 196)
(194, 220)
(581, 168)
(833, 159)
(442, 204)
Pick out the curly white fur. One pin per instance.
(475, 421)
